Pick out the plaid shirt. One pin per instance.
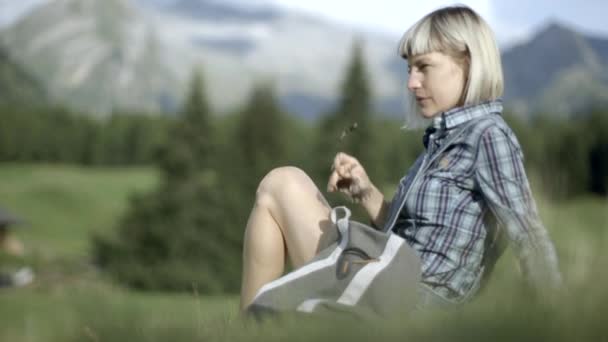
(471, 177)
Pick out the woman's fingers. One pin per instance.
(332, 184)
(343, 159)
(337, 177)
(345, 170)
(344, 164)
(340, 178)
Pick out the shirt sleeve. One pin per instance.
(503, 184)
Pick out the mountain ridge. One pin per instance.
(16, 84)
(546, 73)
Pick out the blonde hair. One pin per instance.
(462, 34)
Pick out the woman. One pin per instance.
(469, 177)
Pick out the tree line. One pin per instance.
(59, 135)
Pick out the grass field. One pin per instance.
(70, 301)
(63, 205)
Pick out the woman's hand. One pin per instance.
(350, 178)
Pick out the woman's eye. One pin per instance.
(420, 67)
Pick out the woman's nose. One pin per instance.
(413, 82)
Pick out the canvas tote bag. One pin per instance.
(365, 272)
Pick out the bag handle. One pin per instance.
(341, 221)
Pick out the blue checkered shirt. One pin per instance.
(465, 192)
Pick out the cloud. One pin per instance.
(391, 16)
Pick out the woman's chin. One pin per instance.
(428, 113)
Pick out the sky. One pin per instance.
(11, 9)
(512, 20)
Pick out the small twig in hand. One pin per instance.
(348, 130)
(346, 183)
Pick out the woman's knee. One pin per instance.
(283, 180)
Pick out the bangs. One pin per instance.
(420, 39)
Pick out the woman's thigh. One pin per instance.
(300, 210)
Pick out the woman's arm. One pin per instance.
(376, 207)
(503, 183)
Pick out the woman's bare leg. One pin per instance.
(288, 218)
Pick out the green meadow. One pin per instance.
(71, 301)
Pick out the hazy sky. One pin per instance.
(11, 9)
(511, 19)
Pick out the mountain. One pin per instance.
(103, 54)
(220, 11)
(558, 71)
(17, 86)
(242, 42)
(96, 55)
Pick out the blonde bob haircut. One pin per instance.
(462, 34)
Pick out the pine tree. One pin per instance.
(261, 136)
(349, 127)
(597, 129)
(257, 142)
(180, 236)
(190, 147)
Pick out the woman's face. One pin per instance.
(437, 81)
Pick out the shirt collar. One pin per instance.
(459, 115)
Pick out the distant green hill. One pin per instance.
(63, 205)
(16, 84)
